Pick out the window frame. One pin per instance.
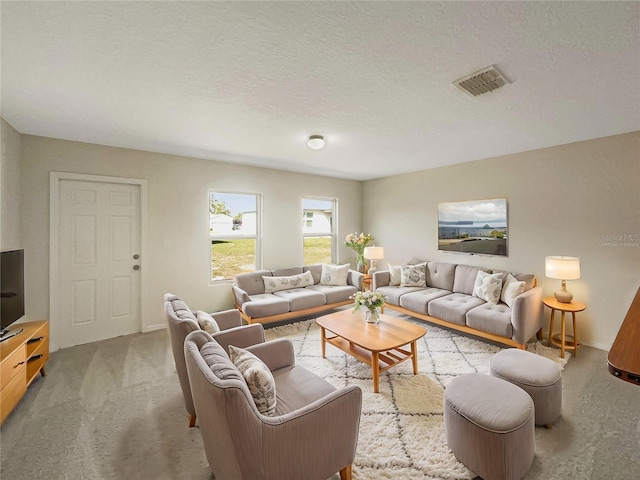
(257, 236)
(334, 222)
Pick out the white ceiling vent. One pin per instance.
(482, 81)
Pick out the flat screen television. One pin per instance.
(474, 227)
(11, 288)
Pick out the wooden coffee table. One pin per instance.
(379, 345)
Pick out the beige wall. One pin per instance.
(11, 145)
(578, 200)
(178, 219)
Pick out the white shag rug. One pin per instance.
(402, 427)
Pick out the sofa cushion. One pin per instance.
(297, 387)
(465, 279)
(252, 282)
(219, 363)
(285, 272)
(258, 377)
(275, 284)
(393, 294)
(334, 274)
(453, 308)
(491, 318)
(301, 298)
(335, 294)
(418, 301)
(413, 275)
(265, 305)
(316, 272)
(180, 308)
(488, 286)
(395, 274)
(511, 289)
(207, 322)
(529, 279)
(441, 275)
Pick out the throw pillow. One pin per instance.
(258, 377)
(511, 289)
(334, 274)
(275, 284)
(394, 274)
(207, 322)
(413, 276)
(488, 286)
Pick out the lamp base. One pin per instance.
(563, 295)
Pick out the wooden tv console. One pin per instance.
(21, 358)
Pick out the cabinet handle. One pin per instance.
(21, 363)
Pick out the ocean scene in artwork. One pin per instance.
(478, 226)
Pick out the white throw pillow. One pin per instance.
(275, 284)
(334, 274)
(395, 274)
(258, 377)
(207, 322)
(413, 275)
(511, 289)
(488, 286)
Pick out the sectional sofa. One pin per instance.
(500, 306)
(267, 296)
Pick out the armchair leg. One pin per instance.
(345, 473)
(192, 421)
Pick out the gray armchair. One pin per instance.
(182, 321)
(314, 431)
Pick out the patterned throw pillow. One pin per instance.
(488, 286)
(258, 377)
(511, 289)
(394, 274)
(413, 275)
(207, 322)
(334, 274)
(275, 284)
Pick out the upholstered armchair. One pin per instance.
(312, 435)
(182, 321)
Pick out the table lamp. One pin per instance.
(372, 254)
(562, 268)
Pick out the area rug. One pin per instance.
(402, 427)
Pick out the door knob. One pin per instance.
(136, 267)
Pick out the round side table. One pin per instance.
(563, 340)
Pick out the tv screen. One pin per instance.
(11, 287)
(473, 227)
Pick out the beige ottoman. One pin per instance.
(536, 375)
(489, 425)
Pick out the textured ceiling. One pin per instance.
(248, 82)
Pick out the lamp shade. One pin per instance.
(562, 268)
(373, 253)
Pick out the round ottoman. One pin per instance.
(489, 426)
(536, 375)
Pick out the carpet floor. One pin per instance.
(114, 410)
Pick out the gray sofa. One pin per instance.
(256, 306)
(447, 299)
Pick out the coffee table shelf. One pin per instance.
(381, 346)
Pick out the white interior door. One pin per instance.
(99, 293)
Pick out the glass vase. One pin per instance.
(373, 315)
(361, 264)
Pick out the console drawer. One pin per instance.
(12, 392)
(11, 365)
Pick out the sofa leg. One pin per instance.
(345, 473)
(192, 421)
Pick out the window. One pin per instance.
(234, 229)
(318, 230)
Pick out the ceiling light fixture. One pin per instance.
(315, 142)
